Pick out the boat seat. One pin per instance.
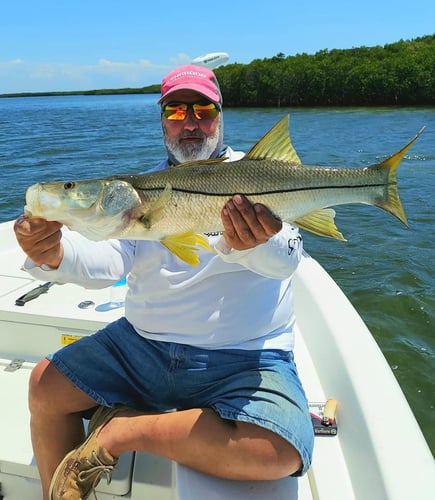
(192, 485)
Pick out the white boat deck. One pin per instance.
(371, 458)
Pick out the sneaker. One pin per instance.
(77, 476)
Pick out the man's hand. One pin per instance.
(247, 225)
(40, 240)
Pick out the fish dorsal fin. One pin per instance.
(320, 222)
(275, 145)
(196, 163)
(185, 246)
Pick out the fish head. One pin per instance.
(95, 208)
(53, 199)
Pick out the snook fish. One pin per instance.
(176, 206)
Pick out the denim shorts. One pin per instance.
(116, 365)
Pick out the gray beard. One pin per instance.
(189, 152)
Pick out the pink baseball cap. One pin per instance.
(191, 77)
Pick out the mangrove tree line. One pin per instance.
(401, 73)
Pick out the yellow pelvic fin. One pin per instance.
(392, 203)
(275, 145)
(155, 213)
(320, 222)
(185, 246)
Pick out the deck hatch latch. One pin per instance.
(14, 365)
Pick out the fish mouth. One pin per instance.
(32, 195)
(38, 200)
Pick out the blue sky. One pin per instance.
(57, 45)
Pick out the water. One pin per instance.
(385, 269)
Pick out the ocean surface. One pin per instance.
(386, 269)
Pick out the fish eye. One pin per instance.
(69, 185)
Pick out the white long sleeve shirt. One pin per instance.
(232, 299)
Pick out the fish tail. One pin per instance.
(391, 203)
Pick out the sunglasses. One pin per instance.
(177, 111)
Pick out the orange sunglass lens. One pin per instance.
(205, 111)
(178, 111)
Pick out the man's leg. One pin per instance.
(202, 440)
(56, 427)
(198, 438)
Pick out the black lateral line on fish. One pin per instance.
(275, 191)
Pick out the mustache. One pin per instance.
(195, 133)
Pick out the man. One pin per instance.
(213, 342)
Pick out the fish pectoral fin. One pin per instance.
(275, 145)
(185, 246)
(321, 222)
(155, 212)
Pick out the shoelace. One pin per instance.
(94, 473)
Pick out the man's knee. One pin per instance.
(273, 456)
(38, 387)
(51, 392)
(284, 460)
(49, 389)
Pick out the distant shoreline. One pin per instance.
(151, 89)
(397, 74)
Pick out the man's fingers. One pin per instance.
(269, 222)
(34, 226)
(40, 240)
(242, 216)
(247, 225)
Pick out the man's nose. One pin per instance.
(190, 122)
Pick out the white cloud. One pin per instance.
(180, 59)
(24, 76)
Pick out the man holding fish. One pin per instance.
(212, 340)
